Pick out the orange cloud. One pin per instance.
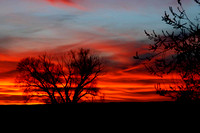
(122, 81)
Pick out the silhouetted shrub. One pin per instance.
(179, 52)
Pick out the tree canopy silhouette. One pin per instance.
(179, 52)
(60, 80)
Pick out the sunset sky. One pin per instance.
(112, 28)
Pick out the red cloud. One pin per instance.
(70, 3)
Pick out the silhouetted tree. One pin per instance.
(179, 52)
(60, 80)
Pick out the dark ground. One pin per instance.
(105, 107)
(130, 114)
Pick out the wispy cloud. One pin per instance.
(136, 5)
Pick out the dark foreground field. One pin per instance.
(88, 114)
(123, 107)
